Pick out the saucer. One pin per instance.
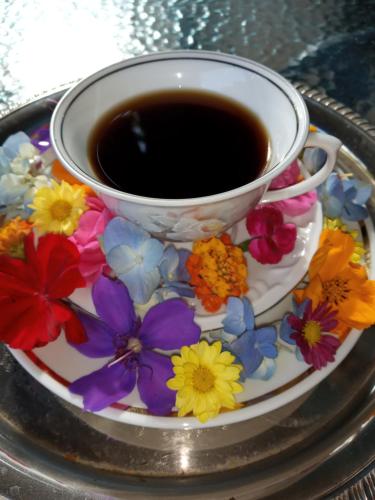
(268, 284)
(58, 364)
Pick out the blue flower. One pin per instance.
(134, 256)
(252, 345)
(344, 198)
(173, 271)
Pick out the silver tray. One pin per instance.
(310, 448)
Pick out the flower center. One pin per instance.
(312, 332)
(60, 210)
(335, 291)
(134, 345)
(203, 379)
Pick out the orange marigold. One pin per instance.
(218, 270)
(12, 235)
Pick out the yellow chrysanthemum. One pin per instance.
(57, 209)
(338, 225)
(205, 380)
(12, 235)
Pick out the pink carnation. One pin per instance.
(271, 237)
(288, 177)
(297, 205)
(86, 238)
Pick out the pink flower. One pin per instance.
(86, 238)
(288, 177)
(272, 238)
(316, 347)
(297, 205)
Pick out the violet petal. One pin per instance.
(169, 325)
(154, 371)
(113, 304)
(105, 386)
(100, 338)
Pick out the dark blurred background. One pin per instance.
(329, 44)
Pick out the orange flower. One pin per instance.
(341, 283)
(218, 270)
(12, 235)
(60, 173)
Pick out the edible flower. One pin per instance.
(307, 328)
(205, 380)
(343, 285)
(87, 236)
(31, 290)
(57, 209)
(174, 274)
(134, 256)
(344, 197)
(117, 333)
(12, 235)
(271, 238)
(218, 270)
(251, 345)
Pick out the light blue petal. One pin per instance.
(299, 356)
(364, 192)
(141, 285)
(334, 187)
(299, 308)
(120, 231)
(12, 144)
(265, 341)
(123, 259)
(182, 289)
(169, 263)
(250, 357)
(11, 189)
(4, 162)
(151, 251)
(265, 371)
(182, 272)
(286, 330)
(332, 207)
(234, 321)
(354, 212)
(248, 314)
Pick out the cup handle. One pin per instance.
(331, 145)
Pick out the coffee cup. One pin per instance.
(265, 93)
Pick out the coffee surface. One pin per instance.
(178, 144)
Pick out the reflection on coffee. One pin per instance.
(178, 144)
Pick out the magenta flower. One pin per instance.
(288, 177)
(120, 334)
(296, 206)
(307, 331)
(86, 238)
(271, 237)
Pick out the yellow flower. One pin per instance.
(338, 225)
(57, 209)
(12, 235)
(205, 380)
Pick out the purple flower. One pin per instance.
(41, 138)
(306, 329)
(131, 343)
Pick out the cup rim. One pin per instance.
(295, 98)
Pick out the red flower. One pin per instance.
(31, 313)
(272, 238)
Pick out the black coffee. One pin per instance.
(178, 144)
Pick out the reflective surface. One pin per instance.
(327, 43)
(52, 450)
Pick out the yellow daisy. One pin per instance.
(12, 235)
(57, 209)
(205, 380)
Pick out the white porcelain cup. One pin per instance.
(273, 99)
